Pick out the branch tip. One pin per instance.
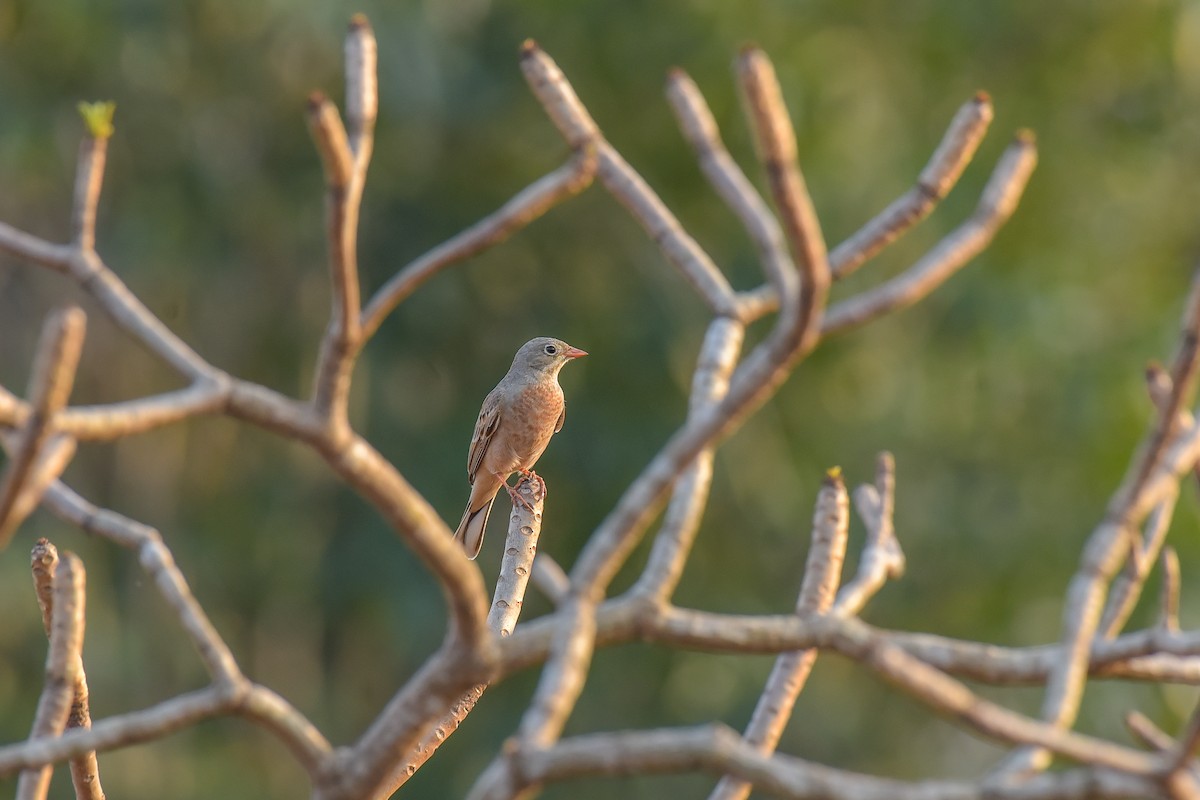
(98, 118)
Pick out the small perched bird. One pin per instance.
(515, 424)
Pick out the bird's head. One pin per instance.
(545, 355)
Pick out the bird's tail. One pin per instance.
(471, 529)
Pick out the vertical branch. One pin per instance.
(62, 668)
(1127, 587)
(822, 572)
(1168, 600)
(85, 772)
(345, 157)
(341, 336)
(775, 140)
(89, 174)
(727, 178)
(516, 566)
(50, 383)
(882, 557)
(710, 382)
(362, 89)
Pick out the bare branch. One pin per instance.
(718, 750)
(731, 184)
(1168, 617)
(156, 559)
(28, 247)
(1127, 588)
(131, 315)
(789, 675)
(50, 383)
(1151, 477)
(266, 708)
(342, 194)
(520, 548)
(945, 166)
(567, 113)
(122, 731)
(85, 772)
(999, 199)
(1147, 732)
(525, 207)
(362, 88)
(62, 668)
(1183, 376)
(775, 140)
(43, 560)
(89, 173)
(882, 557)
(672, 546)
(103, 423)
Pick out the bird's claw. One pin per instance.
(517, 499)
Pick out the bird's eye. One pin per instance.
(551, 349)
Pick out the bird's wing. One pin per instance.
(562, 417)
(485, 429)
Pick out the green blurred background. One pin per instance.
(1011, 399)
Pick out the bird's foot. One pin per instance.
(533, 477)
(515, 494)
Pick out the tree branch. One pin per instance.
(50, 382)
(63, 668)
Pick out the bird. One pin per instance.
(515, 424)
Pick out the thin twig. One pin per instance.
(945, 167)
(121, 731)
(882, 557)
(1147, 732)
(525, 207)
(89, 174)
(26, 246)
(341, 231)
(672, 545)
(996, 205)
(576, 125)
(362, 88)
(727, 178)
(775, 140)
(156, 559)
(50, 383)
(1127, 587)
(111, 421)
(1168, 602)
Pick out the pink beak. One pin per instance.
(574, 352)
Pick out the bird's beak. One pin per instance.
(574, 352)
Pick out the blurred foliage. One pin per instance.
(1012, 398)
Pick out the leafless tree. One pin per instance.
(484, 643)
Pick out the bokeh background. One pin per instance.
(1012, 398)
